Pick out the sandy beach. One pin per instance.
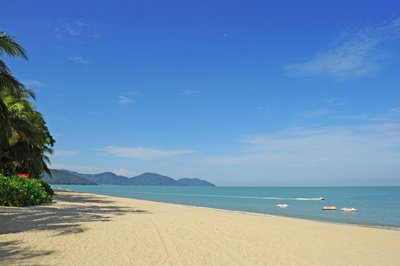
(85, 229)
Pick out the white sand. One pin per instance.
(85, 229)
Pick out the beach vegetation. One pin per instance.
(46, 186)
(19, 191)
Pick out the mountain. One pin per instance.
(107, 178)
(193, 182)
(152, 179)
(62, 177)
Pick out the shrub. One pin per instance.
(47, 187)
(19, 191)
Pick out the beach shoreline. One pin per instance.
(90, 229)
(368, 225)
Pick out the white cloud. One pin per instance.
(143, 153)
(75, 29)
(65, 153)
(188, 92)
(31, 83)
(72, 28)
(123, 172)
(78, 60)
(77, 168)
(129, 97)
(395, 110)
(357, 55)
(340, 155)
(334, 102)
(124, 100)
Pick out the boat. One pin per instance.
(329, 208)
(321, 198)
(282, 206)
(346, 209)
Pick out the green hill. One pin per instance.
(107, 178)
(193, 182)
(66, 177)
(62, 177)
(152, 179)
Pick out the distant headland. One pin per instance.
(67, 177)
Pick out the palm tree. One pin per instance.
(8, 83)
(30, 140)
(25, 139)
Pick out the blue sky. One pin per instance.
(238, 93)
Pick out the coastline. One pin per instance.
(86, 229)
(249, 213)
(337, 217)
(391, 228)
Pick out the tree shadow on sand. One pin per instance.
(12, 251)
(68, 217)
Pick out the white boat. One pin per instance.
(282, 206)
(329, 208)
(351, 209)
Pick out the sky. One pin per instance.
(241, 93)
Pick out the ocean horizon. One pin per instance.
(376, 206)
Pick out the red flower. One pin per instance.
(23, 175)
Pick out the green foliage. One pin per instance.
(19, 191)
(47, 187)
(10, 47)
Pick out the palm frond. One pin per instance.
(10, 47)
(9, 84)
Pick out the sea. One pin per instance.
(376, 206)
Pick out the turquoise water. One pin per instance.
(377, 206)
